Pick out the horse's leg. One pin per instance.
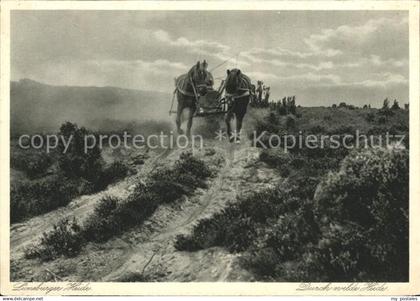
(228, 118)
(239, 116)
(179, 110)
(190, 120)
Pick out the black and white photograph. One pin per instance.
(217, 146)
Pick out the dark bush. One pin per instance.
(263, 262)
(275, 157)
(110, 174)
(361, 183)
(33, 163)
(76, 161)
(187, 174)
(79, 172)
(343, 130)
(136, 209)
(355, 230)
(370, 117)
(271, 123)
(31, 198)
(113, 216)
(370, 194)
(292, 231)
(317, 129)
(327, 118)
(169, 188)
(223, 229)
(134, 277)
(236, 226)
(382, 120)
(64, 239)
(290, 122)
(102, 224)
(187, 163)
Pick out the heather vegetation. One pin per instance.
(33, 163)
(55, 178)
(336, 215)
(166, 185)
(113, 216)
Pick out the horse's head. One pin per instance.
(201, 78)
(233, 80)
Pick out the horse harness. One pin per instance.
(232, 97)
(229, 98)
(182, 91)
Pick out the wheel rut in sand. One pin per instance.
(149, 250)
(155, 255)
(29, 231)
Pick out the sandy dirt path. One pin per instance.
(148, 250)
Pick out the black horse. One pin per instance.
(189, 87)
(238, 93)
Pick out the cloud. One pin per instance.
(378, 61)
(262, 75)
(298, 79)
(377, 42)
(157, 66)
(253, 58)
(322, 65)
(276, 52)
(389, 79)
(285, 57)
(197, 45)
(202, 47)
(146, 50)
(313, 78)
(385, 37)
(346, 56)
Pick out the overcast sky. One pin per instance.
(321, 57)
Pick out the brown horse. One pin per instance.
(238, 92)
(189, 87)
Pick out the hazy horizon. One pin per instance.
(169, 94)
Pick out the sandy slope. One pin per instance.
(148, 249)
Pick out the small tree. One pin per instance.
(385, 105)
(395, 105)
(74, 160)
(385, 110)
(293, 105)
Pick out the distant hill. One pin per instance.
(39, 107)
